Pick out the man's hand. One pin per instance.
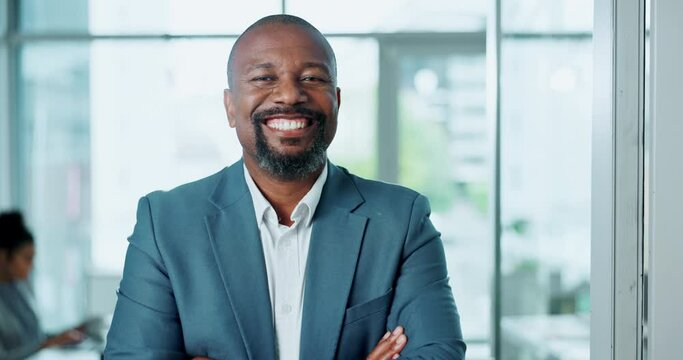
(390, 346)
(68, 337)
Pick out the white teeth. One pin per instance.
(282, 124)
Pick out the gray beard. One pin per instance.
(291, 167)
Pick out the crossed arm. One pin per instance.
(423, 304)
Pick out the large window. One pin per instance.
(545, 196)
(114, 99)
(545, 176)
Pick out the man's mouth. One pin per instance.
(287, 122)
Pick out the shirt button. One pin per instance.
(286, 309)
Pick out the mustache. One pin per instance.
(260, 116)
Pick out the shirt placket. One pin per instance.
(287, 279)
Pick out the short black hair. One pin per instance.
(13, 233)
(280, 19)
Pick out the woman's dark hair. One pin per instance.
(13, 233)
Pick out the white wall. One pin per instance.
(666, 176)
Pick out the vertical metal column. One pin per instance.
(9, 144)
(493, 48)
(17, 181)
(387, 113)
(5, 173)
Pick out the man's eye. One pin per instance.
(263, 78)
(314, 79)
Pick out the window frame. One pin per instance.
(617, 250)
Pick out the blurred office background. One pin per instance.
(104, 101)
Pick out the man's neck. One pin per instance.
(283, 195)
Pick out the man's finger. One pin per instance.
(389, 346)
(400, 343)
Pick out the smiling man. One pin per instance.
(284, 255)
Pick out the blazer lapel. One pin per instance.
(335, 244)
(236, 244)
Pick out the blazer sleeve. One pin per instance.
(20, 353)
(423, 301)
(146, 324)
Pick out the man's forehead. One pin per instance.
(271, 38)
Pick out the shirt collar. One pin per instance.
(305, 208)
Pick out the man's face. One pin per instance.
(284, 100)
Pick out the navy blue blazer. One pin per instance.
(194, 281)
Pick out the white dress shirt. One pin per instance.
(285, 250)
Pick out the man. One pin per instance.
(283, 254)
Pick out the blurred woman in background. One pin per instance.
(20, 333)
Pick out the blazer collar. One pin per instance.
(234, 238)
(231, 186)
(339, 190)
(336, 241)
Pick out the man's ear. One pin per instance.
(229, 107)
(338, 98)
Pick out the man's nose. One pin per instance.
(289, 92)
